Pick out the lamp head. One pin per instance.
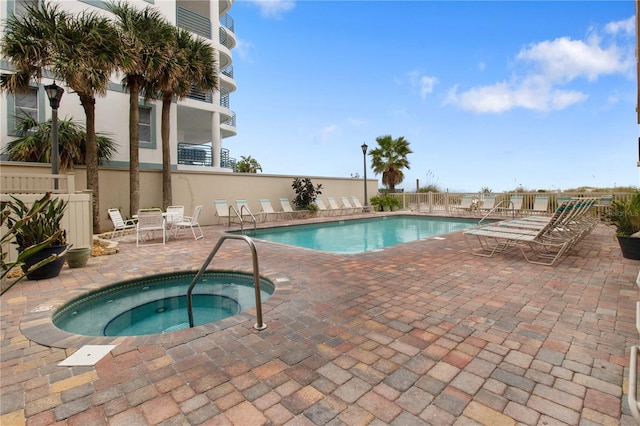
(364, 148)
(54, 93)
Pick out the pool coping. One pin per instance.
(37, 325)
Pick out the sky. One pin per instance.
(489, 94)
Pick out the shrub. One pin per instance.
(306, 193)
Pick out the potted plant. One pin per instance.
(376, 203)
(625, 216)
(42, 243)
(393, 202)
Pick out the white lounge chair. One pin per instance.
(357, 204)
(287, 209)
(267, 209)
(119, 224)
(149, 221)
(334, 206)
(190, 222)
(466, 204)
(224, 211)
(540, 205)
(488, 203)
(322, 208)
(245, 212)
(346, 205)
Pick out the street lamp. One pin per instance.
(54, 93)
(366, 198)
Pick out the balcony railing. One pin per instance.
(199, 95)
(230, 121)
(224, 38)
(195, 154)
(224, 97)
(227, 22)
(225, 160)
(228, 71)
(194, 22)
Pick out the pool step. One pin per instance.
(181, 326)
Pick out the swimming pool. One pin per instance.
(158, 304)
(362, 235)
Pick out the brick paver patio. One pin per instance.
(418, 334)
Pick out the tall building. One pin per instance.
(199, 123)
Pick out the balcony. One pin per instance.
(194, 22)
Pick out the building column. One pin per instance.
(216, 142)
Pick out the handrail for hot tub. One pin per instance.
(259, 325)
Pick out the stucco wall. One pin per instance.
(193, 188)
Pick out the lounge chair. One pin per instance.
(119, 224)
(245, 212)
(540, 205)
(346, 205)
(224, 211)
(267, 209)
(287, 209)
(546, 240)
(334, 206)
(466, 204)
(513, 205)
(488, 203)
(190, 222)
(356, 203)
(149, 221)
(322, 208)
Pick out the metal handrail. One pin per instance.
(513, 210)
(242, 208)
(237, 215)
(259, 325)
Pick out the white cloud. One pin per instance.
(274, 8)
(552, 65)
(327, 132)
(243, 48)
(423, 83)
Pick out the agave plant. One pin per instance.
(34, 144)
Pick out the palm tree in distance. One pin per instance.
(248, 165)
(389, 158)
(191, 67)
(146, 43)
(81, 50)
(34, 144)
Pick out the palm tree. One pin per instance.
(248, 165)
(389, 158)
(34, 144)
(146, 43)
(191, 67)
(81, 50)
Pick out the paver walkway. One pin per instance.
(418, 334)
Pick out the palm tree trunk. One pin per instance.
(89, 106)
(134, 145)
(166, 151)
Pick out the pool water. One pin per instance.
(362, 235)
(158, 304)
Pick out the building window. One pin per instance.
(20, 6)
(23, 104)
(146, 126)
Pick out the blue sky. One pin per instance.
(495, 94)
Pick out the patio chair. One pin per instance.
(173, 214)
(190, 222)
(287, 209)
(322, 208)
(346, 205)
(466, 204)
(513, 205)
(149, 221)
(119, 224)
(267, 209)
(334, 206)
